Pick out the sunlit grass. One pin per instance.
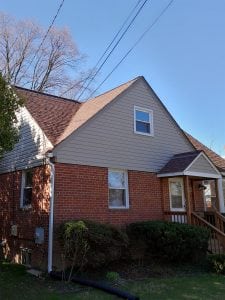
(16, 283)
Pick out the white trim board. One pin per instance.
(187, 173)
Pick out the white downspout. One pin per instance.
(221, 196)
(51, 215)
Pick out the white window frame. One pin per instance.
(23, 180)
(177, 179)
(126, 189)
(150, 112)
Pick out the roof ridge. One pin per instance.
(118, 86)
(75, 101)
(46, 94)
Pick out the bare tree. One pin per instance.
(30, 59)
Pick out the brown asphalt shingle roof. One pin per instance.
(52, 114)
(217, 160)
(59, 117)
(179, 162)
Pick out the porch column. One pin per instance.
(187, 198)
(220, 195)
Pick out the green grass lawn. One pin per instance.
(16, 284)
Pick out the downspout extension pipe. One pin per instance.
(98, 285)
(51, 213)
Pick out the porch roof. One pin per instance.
(194, 163)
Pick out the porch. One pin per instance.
(192, 193)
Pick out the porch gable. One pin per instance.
(190, 164)
(203, 166)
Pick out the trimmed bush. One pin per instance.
(103, 243)
(167, 240)
(217, 263)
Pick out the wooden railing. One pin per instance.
(175, 216)
(217, 236)
(209, 216)
(219, 220)
(215, 218)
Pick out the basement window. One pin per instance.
(118, 189)
(143, 121)
(26, 188)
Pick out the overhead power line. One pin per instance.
(134, 45)
(51, 25)
(46, 34)
(116, 35)
(114, 47)
(106, 50)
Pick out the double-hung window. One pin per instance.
(26, 188)
(118, 189)
(143, 121)
(177, 202)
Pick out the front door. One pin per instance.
(176, 189)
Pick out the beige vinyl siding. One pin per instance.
(28, 152)
(108, 139)
(202, 165)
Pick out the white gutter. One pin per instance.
(51, 215)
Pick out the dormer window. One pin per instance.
(143, 121)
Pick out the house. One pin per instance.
(117, 158)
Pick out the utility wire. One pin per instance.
(106, 50)
(134, 45)
(117, 43)
(114, 38)
(45, 36)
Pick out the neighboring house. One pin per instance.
(117, 158)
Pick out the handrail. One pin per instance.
(217, 237)
(219, 219)
(208, 224)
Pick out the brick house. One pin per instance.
(117, 158)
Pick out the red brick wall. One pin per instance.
(82, 192)
(165, 194)
(26, 220)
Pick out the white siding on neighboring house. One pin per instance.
(203, 166)
(108, 139)
(29, 151)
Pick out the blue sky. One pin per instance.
(182, 57)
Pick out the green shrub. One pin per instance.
(112, 276)
(74, 240)
(103, 243)
(167, 240)
(216, 263)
